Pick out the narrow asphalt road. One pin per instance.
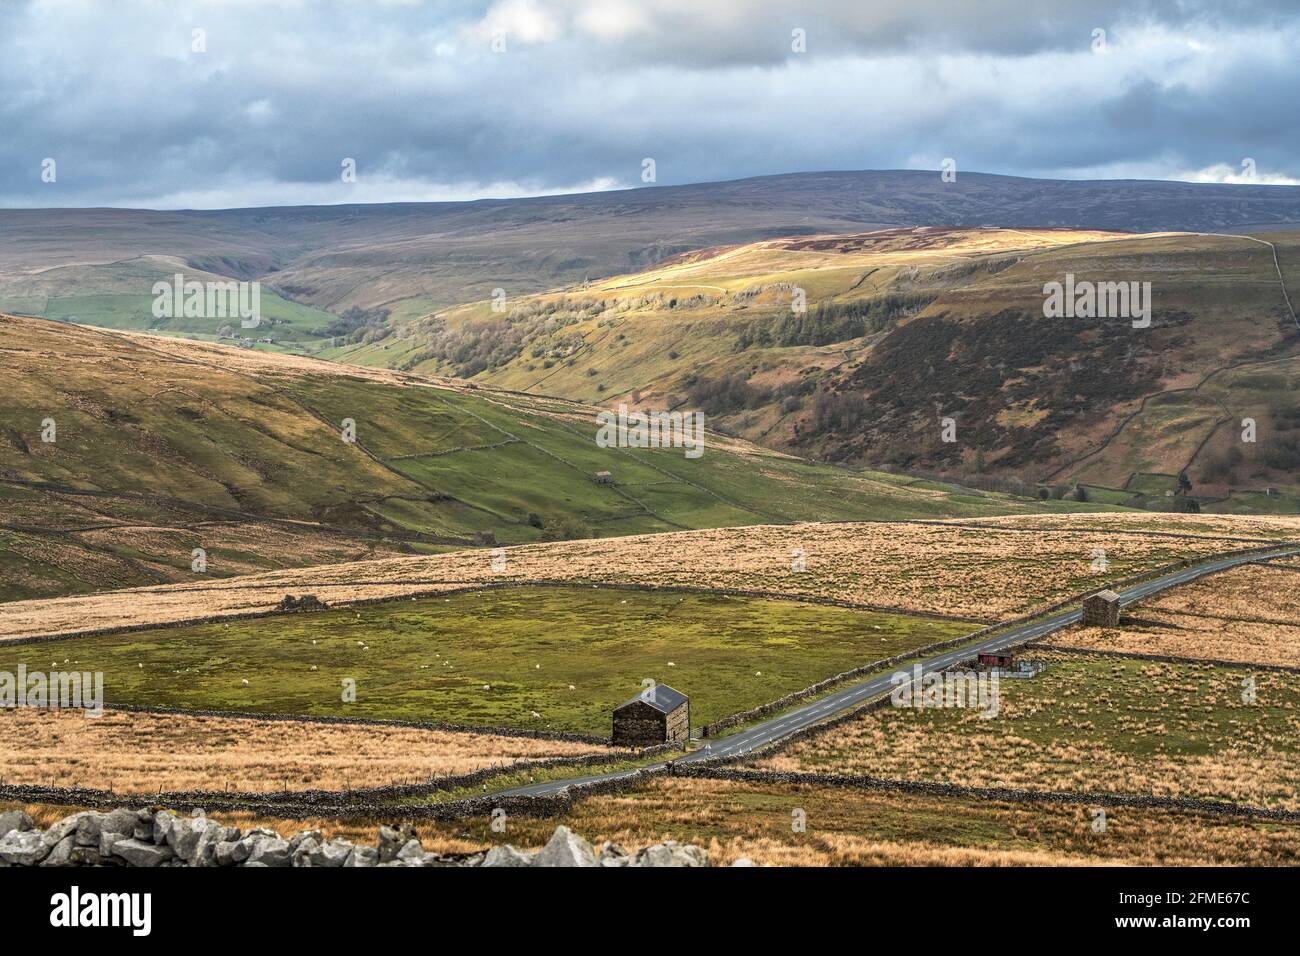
(818, 710)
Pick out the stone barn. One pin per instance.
(657, 715)
(1101, 610)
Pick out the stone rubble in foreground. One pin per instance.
(125, 837)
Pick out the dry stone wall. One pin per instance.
(153, 838)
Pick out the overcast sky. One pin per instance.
(460, 99)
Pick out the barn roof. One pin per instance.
(1107, 595)
(661, 697)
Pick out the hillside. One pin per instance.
(162, 446)
(408, 259)
(905, 327)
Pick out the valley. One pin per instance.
(901, 329)
(373, 562)
(163, 446)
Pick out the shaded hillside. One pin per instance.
(1066, 398)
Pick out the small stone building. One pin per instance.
(1101, 610)
(602, 478)
(657, 715)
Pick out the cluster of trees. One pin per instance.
(735, 393)
(470, 348)
(1282, 452)
(1220, 468)
(831, 322)
(566, 529)
(724, 396)
(839, 412)
(568, 307)
(479, 346)
(562, 529)
(359, 325)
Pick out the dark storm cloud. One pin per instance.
(584, 90)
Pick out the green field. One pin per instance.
(430, 659)
(282, 320)
(488, 461)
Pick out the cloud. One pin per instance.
(757, 32)
(585, 90)
(525, 21)
(1247, 173)
(367, 189)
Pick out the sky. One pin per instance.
(206, 104)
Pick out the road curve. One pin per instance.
(829, 706)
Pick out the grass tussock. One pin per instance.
(144, 753)
(1089, 724)
(1249, 614)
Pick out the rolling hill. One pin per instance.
(410, 259)
(161, 446)
(917, 310)
(905, 327)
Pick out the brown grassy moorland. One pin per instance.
(1091, 725)
(1249, 614)
(966, 569)
(134, 753)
